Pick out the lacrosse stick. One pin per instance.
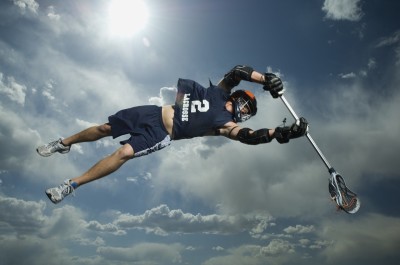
(343, 196)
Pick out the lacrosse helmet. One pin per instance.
(243, 99)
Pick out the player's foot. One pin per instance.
(57, 194)
(52, 147)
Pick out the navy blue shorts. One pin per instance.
(145, 125)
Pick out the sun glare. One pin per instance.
(127, 17)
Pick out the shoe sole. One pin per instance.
(47, 155)
(50, 197)
(44, 155)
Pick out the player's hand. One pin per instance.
(273, 84)
(299, 128)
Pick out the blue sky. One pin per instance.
(206, 200)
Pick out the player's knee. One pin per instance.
(104, 129)
(125, 152)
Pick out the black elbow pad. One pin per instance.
(260, 136)
(238, 73)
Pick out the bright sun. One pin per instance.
(127, 17)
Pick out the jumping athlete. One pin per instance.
(197, 112)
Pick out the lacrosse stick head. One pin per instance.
(343, 196)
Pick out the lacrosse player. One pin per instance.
(197, 112)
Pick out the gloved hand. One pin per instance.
(298, 129)
(273, 84)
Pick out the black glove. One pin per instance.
(298, 129)
(273, 84)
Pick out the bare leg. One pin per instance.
(106, 166)
(88, 135)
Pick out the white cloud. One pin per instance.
(110, 228)
(84, 124)
(13, 90)
(319, 244)
(140, 179)
(343, 9)
(394, 39)
(348, 76)
(387, 41)
(28, 220)
(48, 90)
(51, 13)
(304, 242)
(277, 247)
(299, 229)
(371, 63)
(18, 143)
(167, 96)
(190, 248)
(218, 248)
(30, 5)
(161, 220)
(98, 241)
(21, 217)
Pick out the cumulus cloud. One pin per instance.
(13, 90)
(42, 235)
(167, 96)
(140, 179)
(18, 142)
(276, 247)
(30, 218)
(21, 217)
(299, 229)
(27, 227)
(110, 228)
(27, 5)
(51, 13)
(84, 124)
(162, 221)
(218, 248)
(343, 9)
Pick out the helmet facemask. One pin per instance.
(243, 100)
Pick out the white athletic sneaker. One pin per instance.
(52, 147)
(57, 194)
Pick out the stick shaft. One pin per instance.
(308, 135)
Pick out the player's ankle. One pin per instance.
(62, 142)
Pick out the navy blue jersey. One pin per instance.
(199, 110)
